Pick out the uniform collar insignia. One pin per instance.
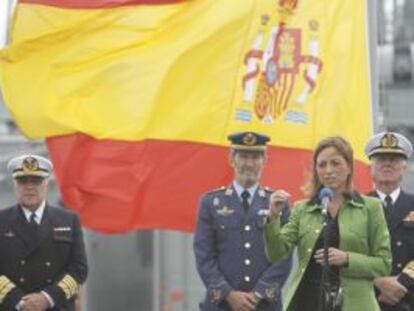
(225, 211)
(262, 193)
(229, 191)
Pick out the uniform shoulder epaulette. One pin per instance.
(264, 191)
(221, 189)
(267, 189)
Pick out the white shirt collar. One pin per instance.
(394, 195)
(39, 212)
(239, 189)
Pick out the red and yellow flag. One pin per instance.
(136, 97)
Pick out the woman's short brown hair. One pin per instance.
(344, 148)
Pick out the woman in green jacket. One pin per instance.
(359, 247)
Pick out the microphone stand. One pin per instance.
(331, 297)
(326, 283)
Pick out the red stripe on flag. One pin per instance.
(120, 186)
(97, 4)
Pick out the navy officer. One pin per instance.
(388, 152)
(43, 260)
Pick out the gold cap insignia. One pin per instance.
(389, 140)
(249, 139)
(30, 164)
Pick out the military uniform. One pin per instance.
(401, 227)
(229, 249)
(229, 238)
(50, 258)
(400, 218)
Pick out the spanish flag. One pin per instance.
(136, 97)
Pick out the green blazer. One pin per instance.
(363, 235)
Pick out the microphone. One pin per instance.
(325, 196)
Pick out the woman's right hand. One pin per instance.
(277, 200)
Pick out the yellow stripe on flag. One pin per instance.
(192, 71)
(126, 73)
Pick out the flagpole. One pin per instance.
(3, 22)
(8, 8)
(372, 36)
(156, 292)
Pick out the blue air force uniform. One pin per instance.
(229, 249)
(400, 217)
(229, 246)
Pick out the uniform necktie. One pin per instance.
(245, 200)
(32, 222)
(33, 227)
(388, 206)
(33, 219)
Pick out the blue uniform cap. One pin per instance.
(248, 141)
(389, 143)
(30, 165)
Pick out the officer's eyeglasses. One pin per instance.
(24, 180)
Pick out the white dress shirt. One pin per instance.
(239, 189)
(394, 195)
(38, 212)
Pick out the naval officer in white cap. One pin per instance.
(388, 152)
(43, 260)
